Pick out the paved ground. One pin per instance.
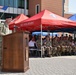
(50, 66)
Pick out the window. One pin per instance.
(11, 3)
(1, 2)
(6, 2)
(27, 4)
(16, 3)
(37, 9)
(21, 4)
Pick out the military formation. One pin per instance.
(56, 46)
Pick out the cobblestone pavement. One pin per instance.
(65, 65)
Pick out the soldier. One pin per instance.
(38, 44)
(66, 40)
(48, 46)
(56, 41)
(70, 38)
(56, 47)
(62, 42)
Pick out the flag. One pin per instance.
(3, 7)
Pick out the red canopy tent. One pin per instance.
(17, 20)
(47, 20)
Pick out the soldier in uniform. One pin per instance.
(48, 46)
(38, 44)
(56, 47)
(56, 41)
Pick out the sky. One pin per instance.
(72, 6)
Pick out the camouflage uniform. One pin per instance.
(54, 51)
(55, 42)
(75, 50)
(55, 46)
(38, 44)
(62, 49)
(59, 50)
(48, 48)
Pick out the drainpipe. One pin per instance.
(63, 1)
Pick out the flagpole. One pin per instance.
(41, 40)
(4, 8)
(2, 14)
(63, 10)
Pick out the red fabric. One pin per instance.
(48, 20)
(17, 20)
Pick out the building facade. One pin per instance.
(32, 7)
(15, 7)
(55, 6)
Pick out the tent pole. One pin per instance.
(41, 40)
(74, 36)
(52, 39)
